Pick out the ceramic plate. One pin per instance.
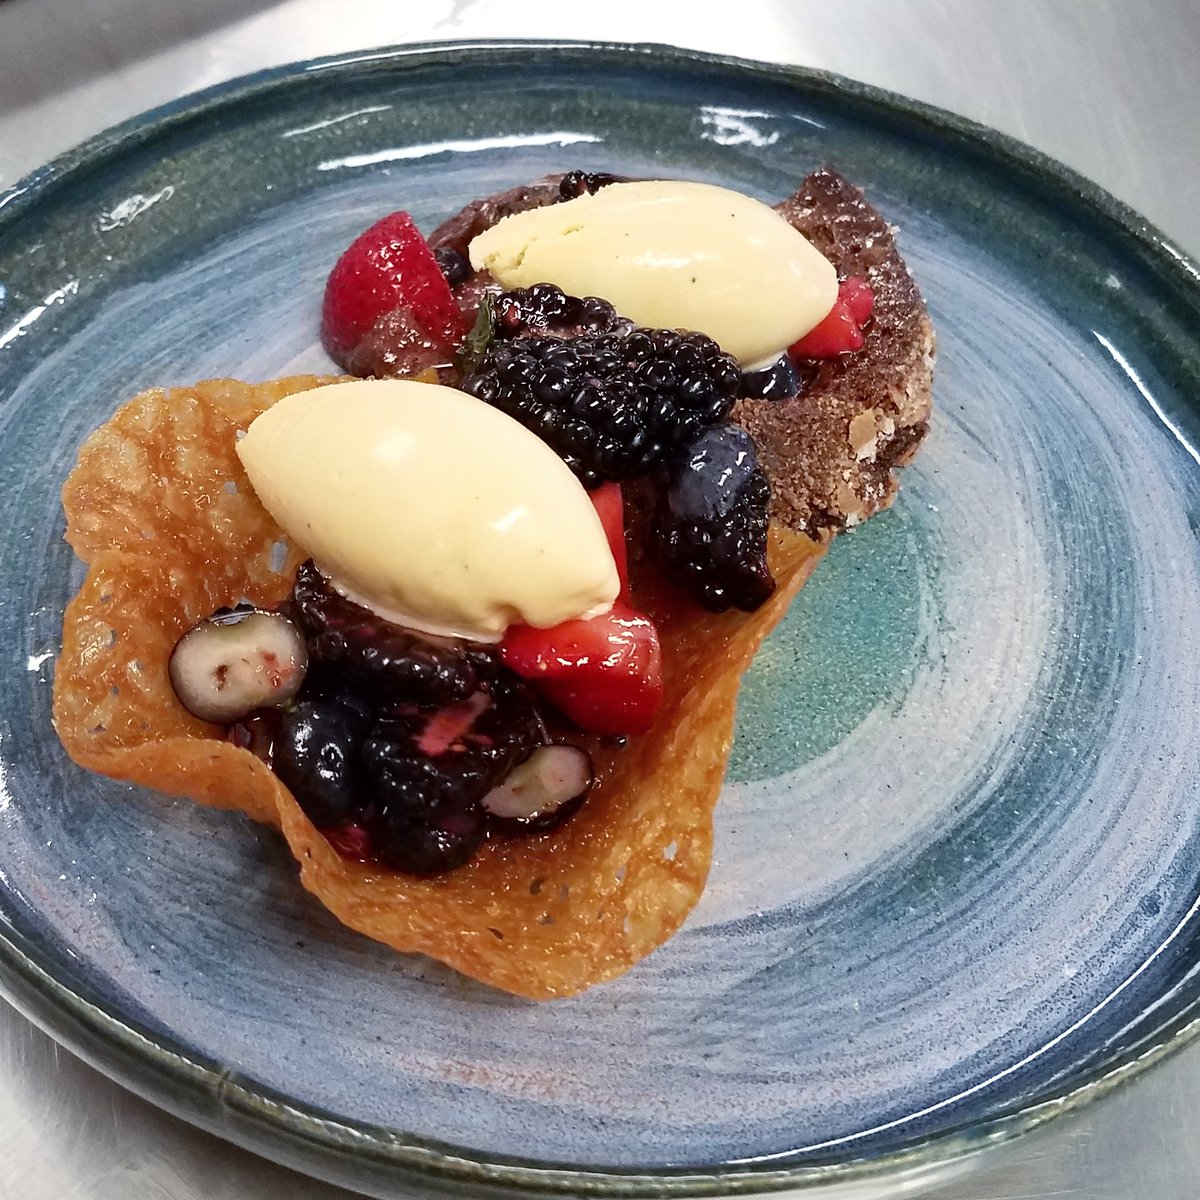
(957, 857)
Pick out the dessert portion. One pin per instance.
(469, 630)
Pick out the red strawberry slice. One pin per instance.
(388, 266)
(841, 331)
(604, 673)
(610, 508)
(859, 297)
(838, 333)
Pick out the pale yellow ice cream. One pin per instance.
(672, 256)
(430, 507)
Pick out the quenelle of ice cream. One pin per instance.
(431, 508)
(672, 255)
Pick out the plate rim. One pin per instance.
(359, 1154)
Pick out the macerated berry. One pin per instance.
(351, 841)
(389, 265)
(610, 508)
(257, 733)
(547, 309)
(604, 672)
(577, 183)
(455, 266)
(841, 330)
(858, 296)
(395, 347)
(611, 405)
(238, 660)
(430, 844)
(710, 525)
(541, 792)
(779, 381)
(317, 756)
(428, 772)
(386, 660)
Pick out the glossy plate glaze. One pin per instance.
(955, 887)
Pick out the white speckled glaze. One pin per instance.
(956, 858)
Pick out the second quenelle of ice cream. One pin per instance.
(431, 508)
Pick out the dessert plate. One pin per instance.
(956, 879)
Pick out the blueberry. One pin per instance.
(706, 478)
(541, 792)
(578, 183)
(710, 525)
(316, 756)
(454, 266)
(779, 381)
(236, 661)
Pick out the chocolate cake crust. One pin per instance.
(457, 232)
(830, 453)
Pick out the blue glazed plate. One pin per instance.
(955, 887)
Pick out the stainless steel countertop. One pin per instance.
(1111, 87)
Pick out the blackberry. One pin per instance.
(432, 844)
(356, 647)
(611, 405)
(547, 309)
(710, 523)
(578, 183)
(427, 774)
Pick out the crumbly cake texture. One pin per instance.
(160, 509)
(831, 452)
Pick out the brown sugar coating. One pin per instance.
(160, 509)
(830, 452)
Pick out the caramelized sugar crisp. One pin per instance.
(167, 541)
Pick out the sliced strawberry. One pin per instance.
(610, 508)
(856, 292)
(841, 330)
(388, 266)
(837, 334)
(447, 725)
(604, 673)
